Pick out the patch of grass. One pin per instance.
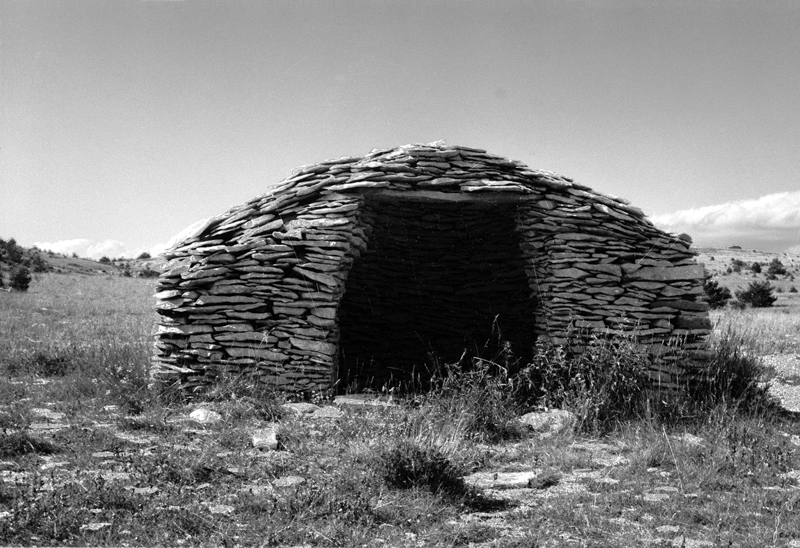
(16, 444)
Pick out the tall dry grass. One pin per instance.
(765, 330)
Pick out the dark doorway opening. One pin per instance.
(441, 282)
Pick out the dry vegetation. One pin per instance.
(91, 456)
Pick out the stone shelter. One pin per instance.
(365, 270)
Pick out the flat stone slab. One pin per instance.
(363, 401)
(47, 426)
(53, 416)
(501, 480)
(300, 408)
(327, 412)
(655, 497)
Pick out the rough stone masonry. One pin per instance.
(365, 270)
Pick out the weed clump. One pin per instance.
(408, 465)
(734, 377)
(603, 382)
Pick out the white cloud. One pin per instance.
(116, 249)
(84, 247)
(771, 222)
(68, 247)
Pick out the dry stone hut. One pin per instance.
(360, 270)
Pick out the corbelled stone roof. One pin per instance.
(434, 166)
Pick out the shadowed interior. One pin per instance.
(439, 283)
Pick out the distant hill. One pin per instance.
(37, 260)
(732, 267)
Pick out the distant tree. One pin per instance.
(757, 295)
(756, 268)
(105, 260)
(74, 255)
(737, 265)
(717, 295)
(735, 247)
(13, 251)
(39, 264)
(148, 273)
(144, 255)
(20, 279)
(776, 269)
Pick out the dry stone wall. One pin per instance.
(369, 269)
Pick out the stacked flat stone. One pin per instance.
(368, 265)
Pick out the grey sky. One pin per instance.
(124, 122)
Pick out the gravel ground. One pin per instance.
(786, 384)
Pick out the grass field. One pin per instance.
(90, 456)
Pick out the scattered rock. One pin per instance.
(655, 497)
(327, 412)
(95, 526)
(115, 476)
(610, 460)
(223, 509)
(266, 439)
(360, 401)
(47, 426)
(205, 416)
(301, 408)
(683, 542)
(288, 481)
(667, 489)
(501, 480)
(52, 416)
(256, 489)
(691, 440)
(550, 422)
(145, 490)
(51, 465)
(667, 529)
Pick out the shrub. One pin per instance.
(716, 295)
(13, 252)
(148, 272)
(604, 382)
(756, 268)
(736, 265)
(144, 255)
(407, 465)
(20, 279)
(793, 289)
(105, 260)
(757, 295)
(776, 268)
